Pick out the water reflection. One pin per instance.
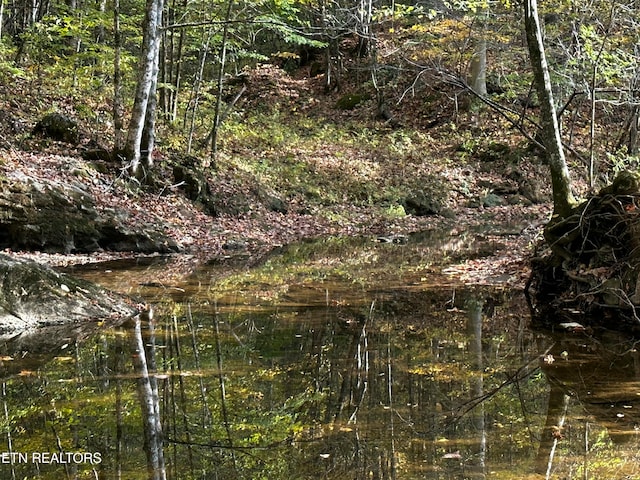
(303, 368)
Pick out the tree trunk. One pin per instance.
(195, 90)
(556, 416)
(563, 200)
(175, 67)
(144, 365)
(149, 130)
(147, 79)
(223, 62)
(478, 447)
(479, 61)
(117, 80)
(1, 17)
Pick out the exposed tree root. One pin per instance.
(590, 271)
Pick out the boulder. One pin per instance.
(54, 217)
(47, 216)
(194, 183)
(57, 126)
(421, 204)
(32, 295)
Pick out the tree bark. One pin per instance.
(478, 446)
(117, 80)
(144, 364)
(479, 59)
(195, 90)
(149, 130)
(176, 70)
(563, 200)
(556, 415)
(1, 17)
(223, 63)
(145, 90)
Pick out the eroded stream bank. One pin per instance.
(340, 358)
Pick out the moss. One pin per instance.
(350, 101)
(625, 183)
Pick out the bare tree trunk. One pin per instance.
(144, 90)
(119, 406)
(592, 120)
(478, 447)
(223, 61)
(479, 60)
(563, 199)
(556, 416)
(144, 363)
(177, 80)
(6, 418)
(117, 80)
(1, 17)
(149, 130)
(223, 394)
(195, 91)
(632, 144)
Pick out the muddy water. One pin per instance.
(337, 359)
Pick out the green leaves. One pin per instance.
(290, 34)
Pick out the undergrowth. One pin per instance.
(360, 164)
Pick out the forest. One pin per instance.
(311, 223)
(339, 111)
(275, 121)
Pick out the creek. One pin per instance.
(341, 358)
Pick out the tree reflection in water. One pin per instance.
(395, 374)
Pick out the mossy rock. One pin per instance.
(492, 200)
(350, 101)
(420, 203)
(60, 218)
(57, 126)
(625, 183)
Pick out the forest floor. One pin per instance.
(339, 171)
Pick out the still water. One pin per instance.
(334, 359)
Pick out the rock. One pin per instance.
(32, 295)
(93, 151)
(194, 183)
(275, 204)
(53, 217)
(421, 204)
(519, 200)
(395, 238)
(117, 236)
(625, 183)
(492, 200)
(235, 245)
(57, 126)
(493, 152)
(317, 68)
(500, 188)
(528, 187)
(573, 327)
(350, 101)
(49, 217)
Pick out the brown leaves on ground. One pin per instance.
(452, 154)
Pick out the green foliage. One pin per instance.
(8, 68)
(472, 6)
(400, 11)
(286, 31)
(598, 51)
(395, 211)
(620, 161)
